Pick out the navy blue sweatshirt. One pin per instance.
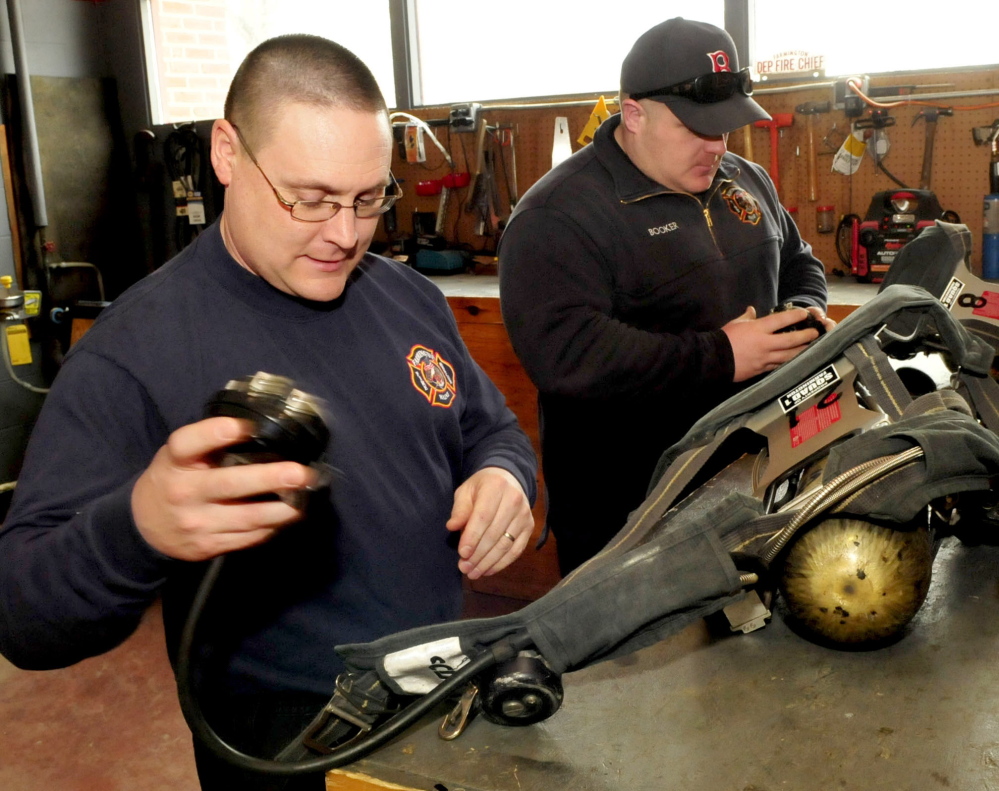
(372, 557)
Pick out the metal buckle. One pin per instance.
(310, 740)
(457, 720)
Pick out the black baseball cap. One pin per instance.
(692, 68)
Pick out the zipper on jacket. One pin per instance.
(707, 211)
(704, 206)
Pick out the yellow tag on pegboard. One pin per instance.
(32, 303)
(17, 344)
(598, 115)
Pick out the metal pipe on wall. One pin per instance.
(33, 157)
(802, 86)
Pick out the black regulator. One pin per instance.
(518, 687)
(288, 425)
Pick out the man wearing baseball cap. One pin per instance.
(638, 280)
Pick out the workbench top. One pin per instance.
(760, 712)
(842, 290)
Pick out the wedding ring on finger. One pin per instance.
(507, 535)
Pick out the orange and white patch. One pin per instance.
(432, 375)
(742, 205)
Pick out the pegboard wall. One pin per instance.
(959, 175)
(528, 155)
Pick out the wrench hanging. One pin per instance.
(929, 115)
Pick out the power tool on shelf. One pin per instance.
(894, 217)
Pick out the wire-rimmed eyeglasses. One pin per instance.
(322, 210)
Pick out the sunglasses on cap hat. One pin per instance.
(706, 89)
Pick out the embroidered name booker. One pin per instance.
(667, 228)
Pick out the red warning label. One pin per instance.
(814, 420)
(990, 308)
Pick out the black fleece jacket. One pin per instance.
(614, 290)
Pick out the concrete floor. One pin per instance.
(112, 723)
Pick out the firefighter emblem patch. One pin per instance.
(432, 375)
(742, 205)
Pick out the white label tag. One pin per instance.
(195, 209)
(810, 387)
(951, 293)
(419, 669)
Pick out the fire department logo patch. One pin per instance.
(432, 375)
(742, 205)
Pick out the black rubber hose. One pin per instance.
(503, 650)
(889, 174)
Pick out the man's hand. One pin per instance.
(759, 348)
(191, 510)
(493, 513)
(820, 314)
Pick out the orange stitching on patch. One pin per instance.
(432, 376)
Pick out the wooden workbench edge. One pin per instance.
(342, 780)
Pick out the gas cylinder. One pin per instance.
(990, 238)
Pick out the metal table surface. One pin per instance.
(757, 712)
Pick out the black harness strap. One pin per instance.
(984, 394)
(680, 473)
(879, 377)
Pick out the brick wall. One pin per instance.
(192, 56)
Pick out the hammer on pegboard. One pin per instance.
(810, 110)
(777, 122)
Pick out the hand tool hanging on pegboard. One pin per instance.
(492, 155)
(930, 115)
(747, 142)
(777, 122)
(810, 110)
(504, 135)
(877, 140)
(442, 211)
(481, 200)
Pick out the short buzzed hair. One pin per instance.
(297, 68)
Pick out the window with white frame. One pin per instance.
(473, 51)
(789, 40)
(466, 50)
(193, 47)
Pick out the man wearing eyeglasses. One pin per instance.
(120, 498)
(637, 280)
